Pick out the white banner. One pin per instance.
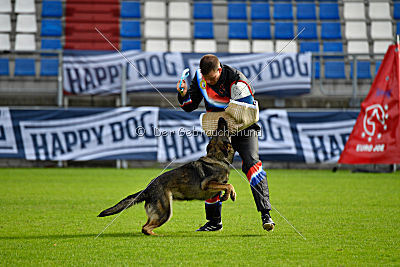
(102, 74)
(324, 142)
(183, 140)
(276, 135)
(119, 131)
(7, 137)
(269, 72)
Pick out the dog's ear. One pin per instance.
(222, 124)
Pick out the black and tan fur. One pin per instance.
(200, 179)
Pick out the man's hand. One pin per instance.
(184, 86)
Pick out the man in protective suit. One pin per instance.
(218, 84)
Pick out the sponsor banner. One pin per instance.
(120, 133)
(8, 144)
(181, 137)
(269, 73)
(102, 74)
(150, 133)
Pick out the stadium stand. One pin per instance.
(346, 28)
(4, 66)
(25, 67)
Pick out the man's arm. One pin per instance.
(242, 92)
(190, 99)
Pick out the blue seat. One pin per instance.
(203, 30)
(202, 10)
(24, 67)
(306, 11)
(4, 66)
(396, 11)
(237, 30)
(51, 44)
(283, 11)
(335, 70)
(52, 9)
(48, 67)
(131, 45)
(329, 11)
(377, 65)
(261, 30)
(130, 28)
(309, 47)
(317, 69)
(309, 32)
(260, 11)
(398, 28)
(284, 30)
(130, 10)
(332, 47)
(363, 70)
(331, 30)
(51, 27)
(237, 11)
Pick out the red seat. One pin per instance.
(82, 17)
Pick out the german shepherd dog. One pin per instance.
(200, 179)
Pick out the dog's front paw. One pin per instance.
(224, 197)
(233, 195)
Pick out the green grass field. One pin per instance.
(48, 217)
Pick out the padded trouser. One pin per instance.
(247, 147)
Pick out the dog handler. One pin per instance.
(217, 84)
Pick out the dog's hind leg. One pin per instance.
(158, 213)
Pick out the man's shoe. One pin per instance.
(209, 226)
(268, 223)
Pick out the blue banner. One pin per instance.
(150, 133)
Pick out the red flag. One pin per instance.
(376, 135)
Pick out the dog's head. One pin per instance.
(220, 146)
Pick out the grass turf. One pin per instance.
(48, 217)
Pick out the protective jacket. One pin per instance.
(232, 84)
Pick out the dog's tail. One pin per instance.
(123, 204)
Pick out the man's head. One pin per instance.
(210, 69)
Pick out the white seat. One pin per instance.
(205, 46)
(25, 6)
(381, 30)
(154, 9)
(179, 29)
(26, 23)
(290, 48)
(5, 6)
(179, 10)
(184, 46)
(5, 42)
(155, 28)
(5, 23)
(262, 46)
(380, 47)
(353, 10)
(156, 46)
(355, 30)
(239, 46)
(379, 10)
(25, 42)
(358, 47)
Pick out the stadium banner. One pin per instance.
(101, 74)
(150, 133)
(84, 134)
